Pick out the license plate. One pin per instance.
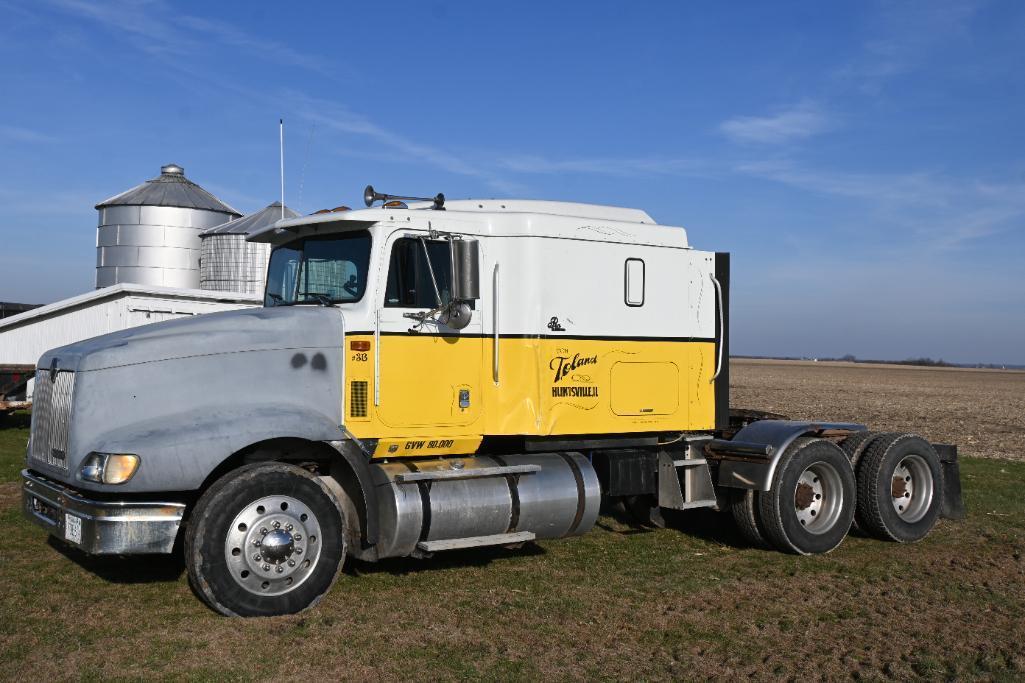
(73, 528)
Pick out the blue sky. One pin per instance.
(864, 162)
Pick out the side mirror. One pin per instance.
(465, 269)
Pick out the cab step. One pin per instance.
(476, 541)
(478, 473)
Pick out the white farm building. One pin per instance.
(24, 337)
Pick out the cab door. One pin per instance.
(430, 374)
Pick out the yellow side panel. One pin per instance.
(546, 387)
(554, 386)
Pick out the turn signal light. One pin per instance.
(359, 345)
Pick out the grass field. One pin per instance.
(685, 602)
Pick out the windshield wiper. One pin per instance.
(320, 298)
(279, 300)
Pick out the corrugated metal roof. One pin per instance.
(252, 222)
(170, 188)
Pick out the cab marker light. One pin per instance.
(359, 345)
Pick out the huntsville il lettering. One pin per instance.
(563, 366)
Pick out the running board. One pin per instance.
(448, 475)
(476, 541)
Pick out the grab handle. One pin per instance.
(722, 328)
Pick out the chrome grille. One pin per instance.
(51, 418)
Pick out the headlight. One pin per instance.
(109, 468)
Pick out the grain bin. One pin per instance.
(231, 264)
(149, 235)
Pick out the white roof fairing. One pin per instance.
(495, 218)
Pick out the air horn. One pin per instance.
(370, 195)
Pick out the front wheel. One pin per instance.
(810, 504)
(266, 539)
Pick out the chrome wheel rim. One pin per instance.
(818, 499)
(273, 545)
(911, 488)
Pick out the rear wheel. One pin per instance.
(899, 488)
(855, 445)
(266, 539)
(744, 508)
(809, 506)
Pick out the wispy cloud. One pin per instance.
(626, 167)
(19, 134)
(802, 120)
(905, 36)
(159, 30)
(938, 210)
(338, 117)
(162, 30)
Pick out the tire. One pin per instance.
(264, 540)
(644, 510)
(902, 511)
(809, 506)
(855, 445)
(744, 508)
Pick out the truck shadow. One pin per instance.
(125, 569)
(707, 525)
(703, 523)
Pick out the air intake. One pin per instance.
(358, 399)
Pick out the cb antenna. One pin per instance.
(281, 141)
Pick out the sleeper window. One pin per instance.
(634, 282)
(409, 278)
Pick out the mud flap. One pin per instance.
(952, 505)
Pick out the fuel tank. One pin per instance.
(552, 495)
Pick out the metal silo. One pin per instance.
(231, 264)
(149, 235)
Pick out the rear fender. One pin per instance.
(754, 471)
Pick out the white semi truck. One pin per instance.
(427, 376)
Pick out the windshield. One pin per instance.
(319, 270)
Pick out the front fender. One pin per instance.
(178, 451)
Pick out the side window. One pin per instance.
(634, 282)
(409, 277)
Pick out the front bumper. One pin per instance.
(100, 527)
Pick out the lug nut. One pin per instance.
(298, 537)
(263, 530)
(288, 527)
(291, 563)
(256, 542)
(298, 551)
(280, 569)
(277, 525)
(257, 557)
(266, 567)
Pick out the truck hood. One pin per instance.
(251, 329)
